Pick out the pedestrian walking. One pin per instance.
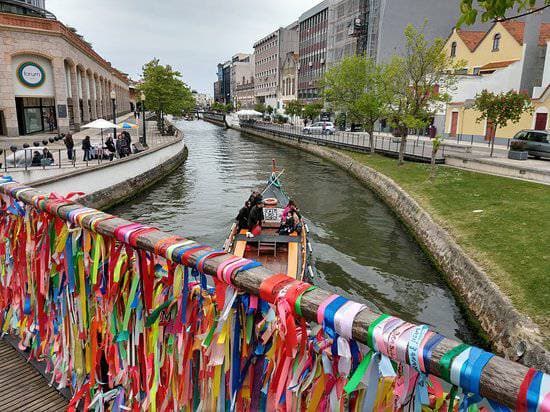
(69, 144)
(87, 148)
(51, 121)
(121, 146)
(128, 142)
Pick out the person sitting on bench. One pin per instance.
(256, 218)
(242, 217)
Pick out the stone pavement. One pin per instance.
(59, 151)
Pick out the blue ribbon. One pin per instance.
(70, 263)
(533, 392)
(185, 294)
(428, 348)
(178, 253)
(251, 265)
(477, 368)
(467, 368)
(330, 312)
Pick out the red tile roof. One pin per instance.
(497, 65)
(544, 34)
(471, 38)
(516, 29)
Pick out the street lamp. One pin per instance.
(113, 100)
(144, 138)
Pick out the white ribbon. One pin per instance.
(344, 318)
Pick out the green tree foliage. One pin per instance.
(218, 107)
(419, 83)
(487, 10)
(499, 109)
(164, 90)
(260, 107)
(312, 110)
(294, 108)
(269, 109)
(357, 86)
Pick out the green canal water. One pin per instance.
(362, 251)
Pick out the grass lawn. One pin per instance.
(509, 238)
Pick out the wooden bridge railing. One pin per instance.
(123, 314)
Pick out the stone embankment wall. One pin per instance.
(506, 328)
(216, 118)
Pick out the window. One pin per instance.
(453, 49)
(538, 137)
(496, 42)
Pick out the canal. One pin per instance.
(362, 251)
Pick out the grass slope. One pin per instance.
(509, 238)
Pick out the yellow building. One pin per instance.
(495, 60)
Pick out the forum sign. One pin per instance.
(31, 74)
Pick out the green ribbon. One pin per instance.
(452, 396)
(447, 359)
(370, 331)
(358, 374)
(298, 303)
(156, 313)
(124, 334)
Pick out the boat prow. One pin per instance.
(281, 253)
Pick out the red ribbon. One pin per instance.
(271, 286)
(521, 404)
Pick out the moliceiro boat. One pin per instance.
(281, 246)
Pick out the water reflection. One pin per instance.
(361, 249)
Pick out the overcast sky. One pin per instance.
(191, 35)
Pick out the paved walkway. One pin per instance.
(471, 155)
(59, 152)
(23, 388)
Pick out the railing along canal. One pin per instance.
(414, 149)
(124, 316)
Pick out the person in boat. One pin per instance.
(254, 197)
(291, 219)
(291, 206)
(242, 217)
(256, 217)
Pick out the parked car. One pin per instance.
(320, 128)
(536, 142)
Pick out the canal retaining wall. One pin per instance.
(215, 118)
(509, 331)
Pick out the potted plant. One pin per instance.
(517, 150)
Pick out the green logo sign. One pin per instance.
(31, 74)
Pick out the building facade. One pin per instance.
(49, 74)
(269, 54)
(312, 51)
(218, 96)
(386, 20)
(347, 29)
(511, 55)
(226, 82)
(289, 78)
(242, 74)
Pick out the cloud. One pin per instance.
(191, 35)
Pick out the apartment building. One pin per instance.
(312, 51)
(269, 54)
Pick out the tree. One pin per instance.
(436, 145)
(496, 9)
(218, 107)
(294, 108)
(164, 90)
(499, 109)
(312, 110)
(260, 107)
(357, 87)
(269, 109)
(418, 84)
